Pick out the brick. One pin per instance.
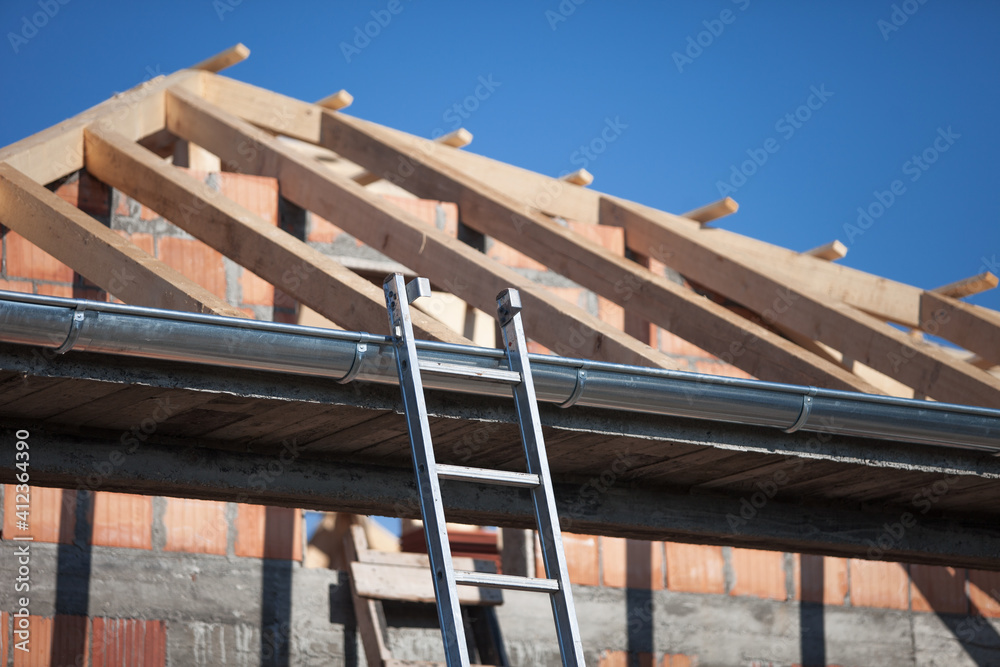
(612, 238)
(621, 659)
(4, 636)
(879, 584)
(695, 568)
(258, 194)
(632, 563)
(25, 286)
(50, 289)
(87, 193)
(759, 574)
(45, 514)
(269, 532)
(507, 256)
(574, 295)
(582, 558)
(320, 230)
(679, 660)
(984, 593)
(670, 343)
(129, 641)
(938, 589)
(26, 260)
(195, 526)
(62, 640)
(256, 291)
(831, 588)
(610, 312)
(196, 261)
(122, 520)
(427, 211)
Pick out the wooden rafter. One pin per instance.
(275, 255)
(968, 286)
(929, 370)
(714, 211)
(97, 253)
(975, 328)
(447, 261)
(713, 328)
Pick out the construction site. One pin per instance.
(752, 455)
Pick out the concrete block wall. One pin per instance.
(150, 560)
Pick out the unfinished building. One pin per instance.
(758, 459)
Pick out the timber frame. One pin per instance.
(777, 314)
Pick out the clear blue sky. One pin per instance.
(561, 71)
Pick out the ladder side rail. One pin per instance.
(428, 485)
(547, 518)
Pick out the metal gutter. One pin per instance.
(75, 324)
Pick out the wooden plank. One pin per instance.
(220, 61)
(367, 612)
(673, 307)
(887, 299)
(410, 584)
(927, 369)
(580, 177)
(975, 328)
(110, 261)
(58, 151)
(446, 261)
(339, 100)
(293, 266)
(968, 286)
(714, 211)
(457, 139)
(831, 251)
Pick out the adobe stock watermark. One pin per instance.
(898, 16)
(915, 167)
(697, 43)
(223, 7)
(562, 12)
(893, 534)
(34, 22)
(464, 109)
(786, 126)
(364, 34)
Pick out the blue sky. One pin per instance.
(695, 90)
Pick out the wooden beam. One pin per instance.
(339, 100)
(457, 139)
(368, 613)
(831, 251)
(97, 253)
(273, 254)
(58, 151)
(460, 138)
(409, 584)
(975, 328)
(220, 61)
(451, 264)
(928, 370)
(968, 286)
(884, 298)
(736, 340)
(713, 211)
(580, 177)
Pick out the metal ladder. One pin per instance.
(429, 473)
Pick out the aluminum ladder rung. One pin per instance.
(488, 476)
(508, 581)
(475, 372)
